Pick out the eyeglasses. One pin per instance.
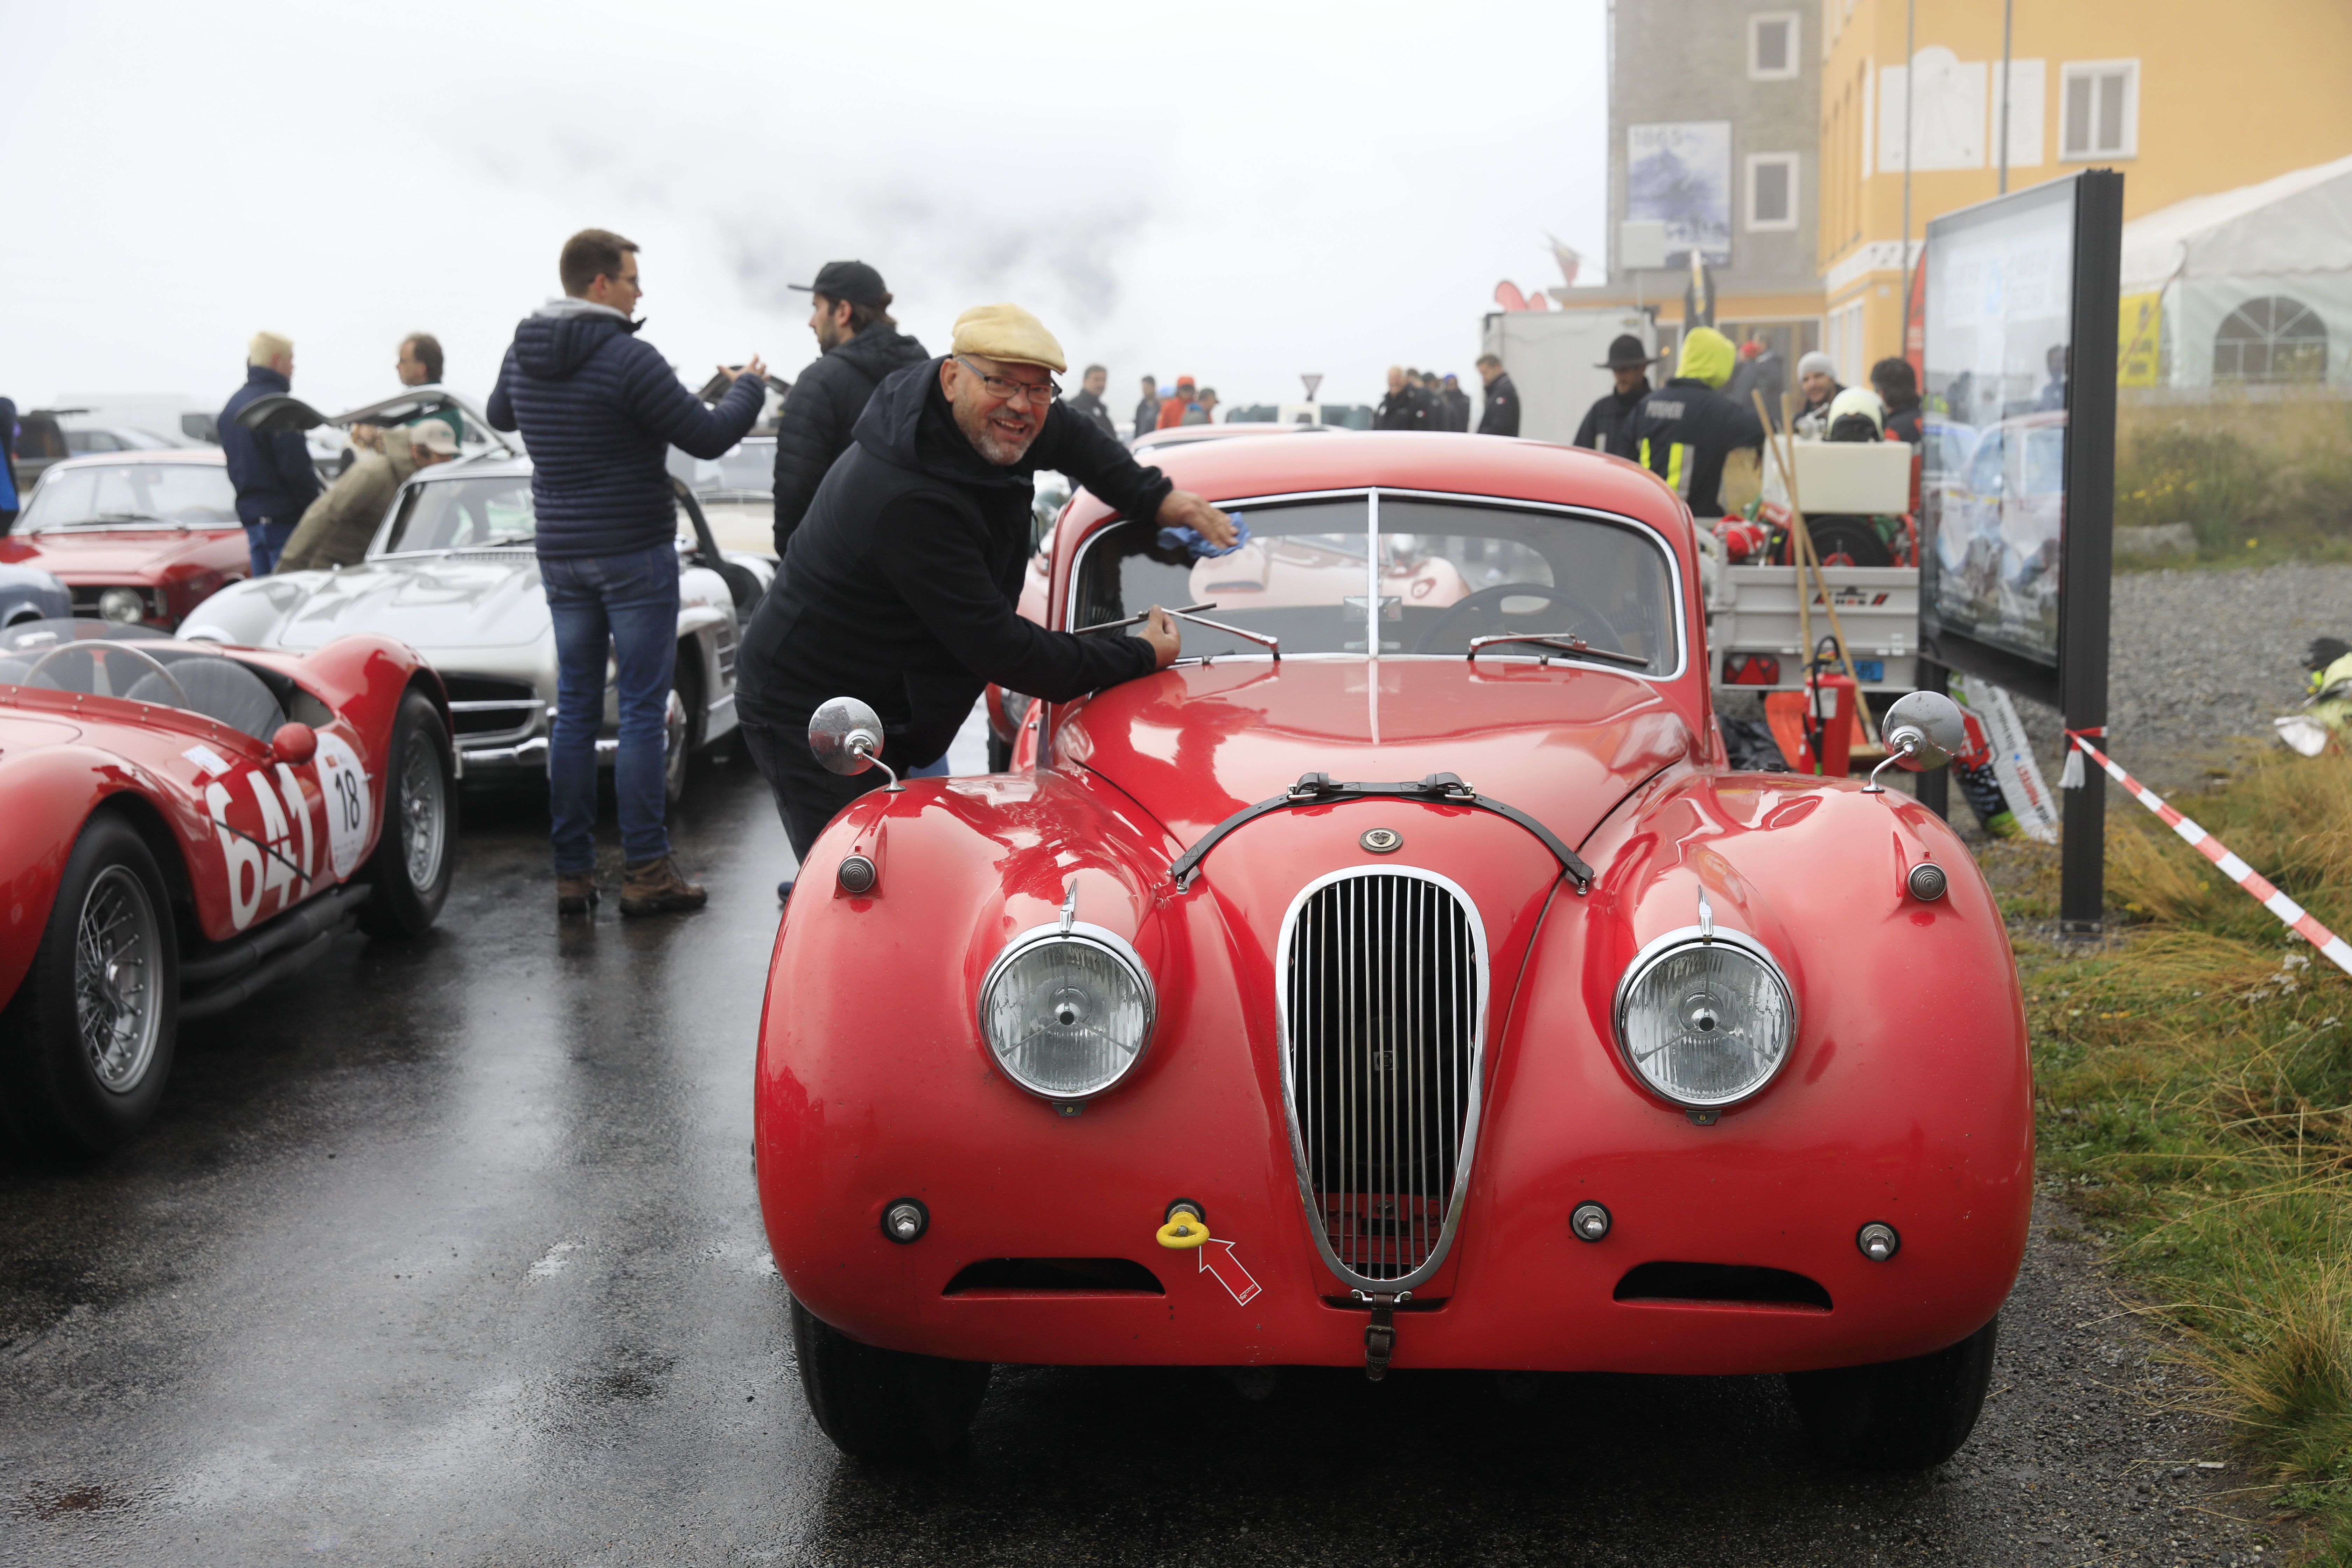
(1005, 389)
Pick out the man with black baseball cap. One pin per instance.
(861, 345)
(1608, 423)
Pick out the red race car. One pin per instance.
(140, 538)
(186, 824)
(1402, 979)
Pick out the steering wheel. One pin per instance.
(1582, 611)
(98, 648)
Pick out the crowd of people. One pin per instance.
(903, 482)
(1685, 429)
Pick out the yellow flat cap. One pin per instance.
(1007, 332)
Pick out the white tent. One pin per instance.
(2253, 284)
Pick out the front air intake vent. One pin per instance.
(1383, 996)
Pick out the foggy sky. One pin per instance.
(1240, 191)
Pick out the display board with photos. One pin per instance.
(1999, 285)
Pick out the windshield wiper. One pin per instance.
(1567, 643)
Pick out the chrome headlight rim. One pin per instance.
(1681, 940)
(1080, 933)
(120, 597)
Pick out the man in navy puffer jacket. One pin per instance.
(598, 408)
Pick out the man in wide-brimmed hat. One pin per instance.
(902, 581)
(1608, 423)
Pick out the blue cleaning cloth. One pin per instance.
(1194, 541)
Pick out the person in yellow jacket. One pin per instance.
(335, 529)
(1685, 431)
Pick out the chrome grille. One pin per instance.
(1383, 981)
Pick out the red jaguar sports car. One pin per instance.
(1402, 979)
(186, 823)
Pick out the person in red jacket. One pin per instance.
(1172, 412)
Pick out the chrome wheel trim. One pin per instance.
(423, 812)
(117, 949)
(674, 745)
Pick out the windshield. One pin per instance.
(462, 514)
(479, 513)
(63, 656)
(751, 466)
(193, 495)
(1446, 572)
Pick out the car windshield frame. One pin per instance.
(412, 493)
(1372, 495)
(55, 481)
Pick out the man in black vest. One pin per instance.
(902, 582)
(861, 345)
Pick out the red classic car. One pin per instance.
(187, 823)
(140, 538)
(1401, 979)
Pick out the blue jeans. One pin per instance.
(630, 604)
(264, 542)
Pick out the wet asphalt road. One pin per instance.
(449, 1253)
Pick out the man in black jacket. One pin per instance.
(1406, 407)
(1147, 413)
(901, 586)
(1457, 405)
(1501, 415)
(1685, 431)
(1608, 423)
(274, 479)
(861, 345)
(1089, 402)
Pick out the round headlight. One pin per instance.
(125, 605)
(1705, 1021)
(1067, 1013)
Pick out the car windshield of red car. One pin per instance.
(133, 494)
(1445, 571)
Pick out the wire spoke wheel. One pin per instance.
(424, 811)
(117, 1002)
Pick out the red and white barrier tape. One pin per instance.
(2298, 919)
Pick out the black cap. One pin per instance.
(1626, 354)
(851, 281)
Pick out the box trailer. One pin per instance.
(1556, 359)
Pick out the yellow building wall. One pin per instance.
(2229, 96)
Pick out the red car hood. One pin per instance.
(113, 555)
(1195, 745)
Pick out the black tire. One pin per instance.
(416, 855)
(678, 752)
(880, 1405)
(1898, 1414)
(72, 1078)
(1849, 541)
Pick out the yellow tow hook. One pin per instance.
(1185, 1229)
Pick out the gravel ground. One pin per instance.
(2200, 661)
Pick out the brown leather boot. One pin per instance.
(575, 892)
(653, 887)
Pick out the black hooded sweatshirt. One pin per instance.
(819, 414)
(900, 584)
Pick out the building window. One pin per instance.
(2269, 340)
(1772, 46)
(1772, 190)
(2099, 107)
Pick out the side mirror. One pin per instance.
(294, 743)
(845, 736)
(1923, 730)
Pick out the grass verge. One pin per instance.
(2194, 1091)
(2254, 481)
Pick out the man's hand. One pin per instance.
(1182, 509)
(751, 367)
(1160, 632)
